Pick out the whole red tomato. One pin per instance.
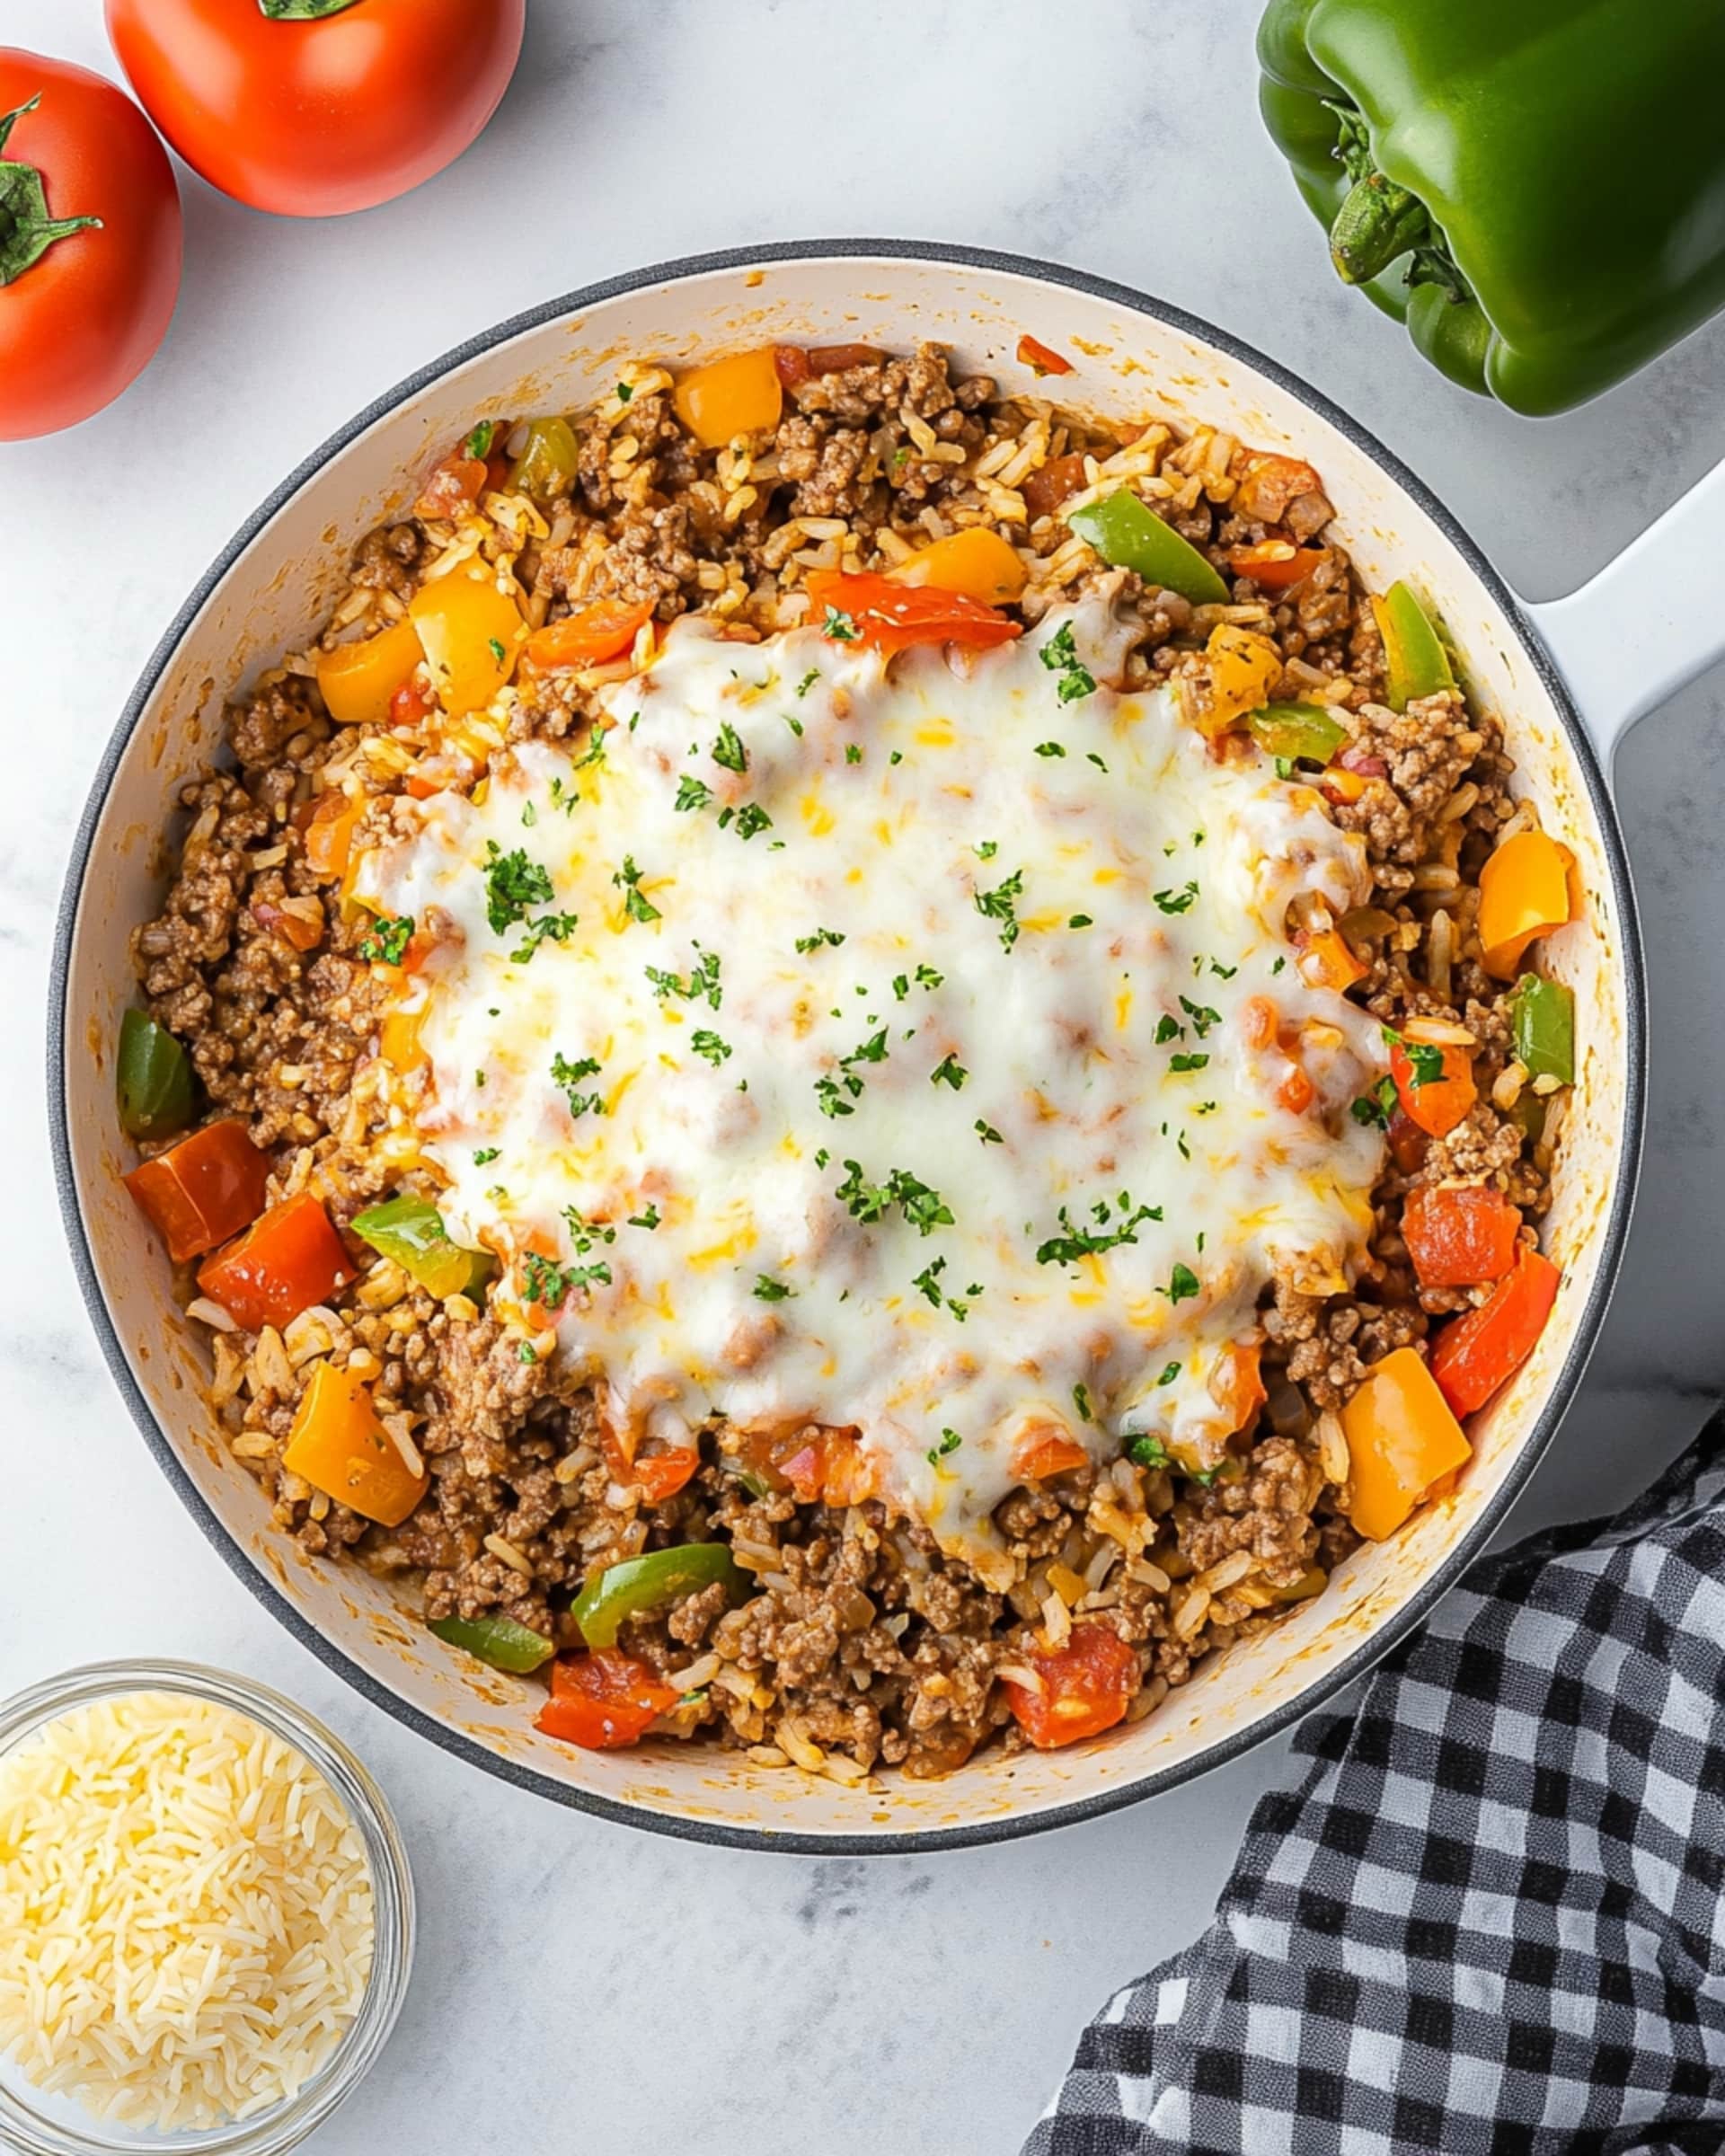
(313, 107)
(89, 243)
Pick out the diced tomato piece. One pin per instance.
(1268, 483)
(293, 928)
(412, 703)
(1053, 484)
(587, 638)
(1275, 564)
(1087, 1686)
(603, 1701)
(1341, 787)
(1041, 358)
(889, 617)
(1458, 1236)
(656, 1475)
(283, 1263)
(202, 1190)
(452, 486)
(1409, 1144)
(1045, 1449)
(797, 364)
(1485, 1349)
(1327, 960)
(818, 1466)
(1439, 1101)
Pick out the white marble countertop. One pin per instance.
(580, 1985)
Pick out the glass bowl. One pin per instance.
(36, 2124)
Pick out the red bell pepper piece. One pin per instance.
(452, 486)
(202, 1190)
(1275, 564)
(1087, 1686)
(1459, 1237)
(603, 1701)
(283, 1263)
(604, 630)
(1482, 1350)
(885, 616)
(1041, 358)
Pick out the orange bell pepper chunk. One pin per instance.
(338, 1446)
(1243, 668)
(1041, 358)
(329, 831)
(1236, 1382)
(1435, 1094)
(1460, 1236)
(1087, 1686)
(398, 1040)
(285, 1261)
(472, 633)
(1327, 960)
(358, 682)
(587, 638)
(884, 616)
(1275, 564)
(1485, 1349)
(452, 488)
(1524, 895)
(603, 1701)
(742, 394)
(202, 1190)
(1402, 1438)
(1045, 1449)
(978, 562)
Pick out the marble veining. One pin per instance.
(579, 1985)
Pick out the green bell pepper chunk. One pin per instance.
(1415, 663)
(410, 1230)
(548, 462)
(1541, 1016)
(1451, 148)
(1298, 733)
(1128, 535)
(499, 1641)
(152, 1078)
(648, 1583)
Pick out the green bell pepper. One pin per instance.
(499, 1641)
(648, 1583)
(1128, 535)
(1542, 1017)
(1532, 188)
(1297, 733)
(410, 1230)
(548, 462)
(1415, 663)
(152, 1078)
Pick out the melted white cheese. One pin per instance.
(1147, 884)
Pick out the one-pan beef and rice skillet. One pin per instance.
(855, 1061)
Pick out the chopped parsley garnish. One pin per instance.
(926, 1281)
(1377, 1106)
(636, 904)
(692, 793)
(1081, 1400)
(1169, 1029)
(1060, 656)
(649, 1219)
(770, 1290)
(1182, 1284)
(927, 978)
(1148, 1452)
(752, 818)
(922, 1207)
(822, 935)
(1170, 1373)
(1424, 1062)
(1176, 902)
(728, 750)
(512, 884)
(987, 850)
(527, 1353)
(949, 1071)
(568, 1076)
(1049, 748)
(1278, 966)
(1201, 1015)
(494, 645)
(949, 1443)
(484, 1156)
(852, 753)
(702, 981)
(553, 928)
(839, 627)
(1222, 972)
(988, 1133)
(386, 941)
(479, 442)
(808, 681)
(594, 752)
(549, 1285)
(1081, 921)
(1083, 1242)
(708, 1044)
(1187, 1063)
(1000, 904)
(1091, 757)
(586, 1232)
(830, 1093)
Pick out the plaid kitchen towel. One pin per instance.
(1486, 1917)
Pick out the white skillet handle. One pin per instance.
(1650, 621)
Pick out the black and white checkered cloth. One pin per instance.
(1486, 1919)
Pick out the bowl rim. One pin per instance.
(998, 1828)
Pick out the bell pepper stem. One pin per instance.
(1376, 224)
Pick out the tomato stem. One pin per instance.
(27, 232)
(302, 10)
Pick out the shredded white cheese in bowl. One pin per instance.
(205, 1916)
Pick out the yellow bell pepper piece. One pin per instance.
(473, 634)
(728, 397)
(357, 681)
(978, 562)
(1402, 1438)
(1524, 895)
(1243, 669)
(339, 1446)
(398, 1040)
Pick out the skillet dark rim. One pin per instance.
(1419, 1606)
